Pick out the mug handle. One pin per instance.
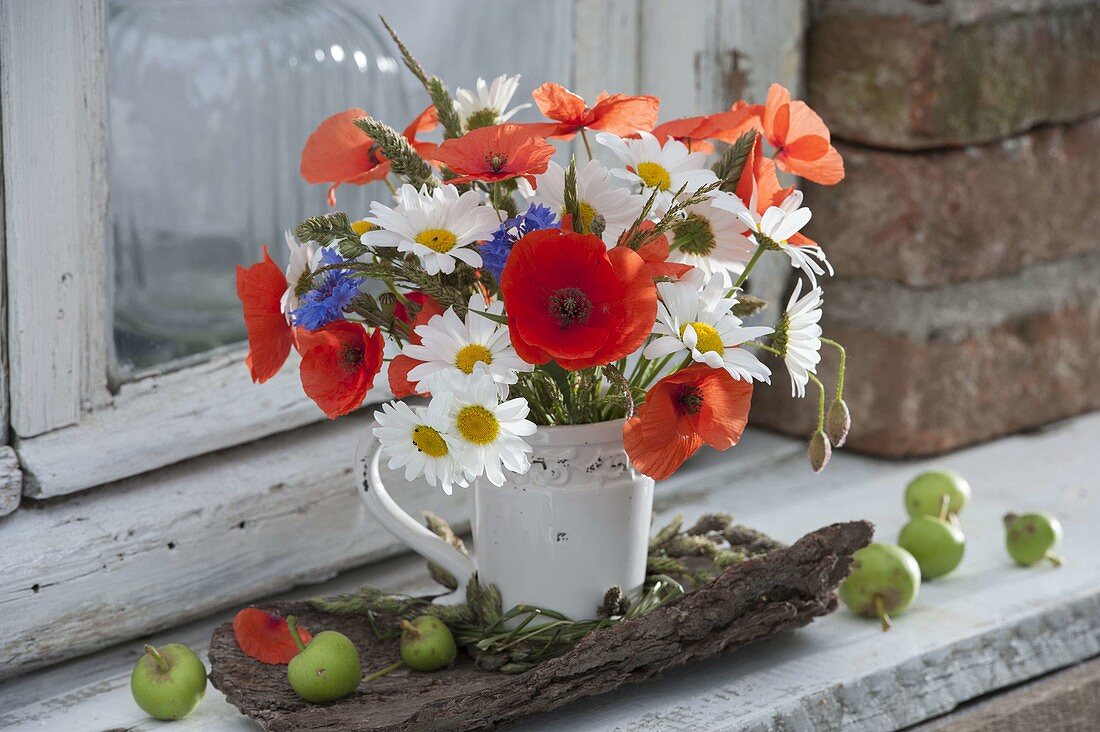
(404, 527)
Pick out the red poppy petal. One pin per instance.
(620, 114)
(558, 103)
(337, 151)
(260, 289)
(827, 170)
(398, 375)
(266, 637)
(776, 114)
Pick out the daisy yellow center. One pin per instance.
(438, 240)
(654, 176)
(477, 424)
(429, 441)
(708, 338)
(362, 227)
(471, 355)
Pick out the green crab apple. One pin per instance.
(936, 545)
(168, 682)
(1033, 537)
(926, 494)
(327, 669)
(427, 644)
(885, 579)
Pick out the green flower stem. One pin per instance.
(843, 364)
(820, 402)
(587, 147)
(494, 197)
(390, 185)
(748, 268)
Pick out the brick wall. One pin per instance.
(966, 235)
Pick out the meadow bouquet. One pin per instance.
(510, 291)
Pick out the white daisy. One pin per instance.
(698, 320)
(712, 239)
(489, 105)
(437, 227)
(418, 442)
(303, 257)
(776, 226)
(798, 337)
(480, 345)
(487, 434)
(596, 194)
(664, 168)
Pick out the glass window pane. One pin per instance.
(211, 102)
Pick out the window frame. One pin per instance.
(70, 429)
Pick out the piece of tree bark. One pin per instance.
(755, 599)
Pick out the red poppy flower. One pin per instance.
(266, 637)
(339, 363)
(260, 289)
(681, 412)
(401, 365)
(724, 126)
(496, 152)
(800, 139)
(570, 299)
(618, 114)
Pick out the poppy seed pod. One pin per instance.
(837, 422)
(820, 451)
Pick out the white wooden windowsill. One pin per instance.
(986, 627)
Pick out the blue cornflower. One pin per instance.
(494, 253)
(326, 301)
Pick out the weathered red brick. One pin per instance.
(948, 216)
(911, 75)
(949, 382)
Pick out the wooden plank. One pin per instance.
(163, 419)
(1067, 700)
(54, 97)
(988, 626)
(605, 48)
(157, 550)
(713, 52)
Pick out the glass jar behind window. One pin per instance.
(211, 102)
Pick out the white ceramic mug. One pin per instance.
(558, 537)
